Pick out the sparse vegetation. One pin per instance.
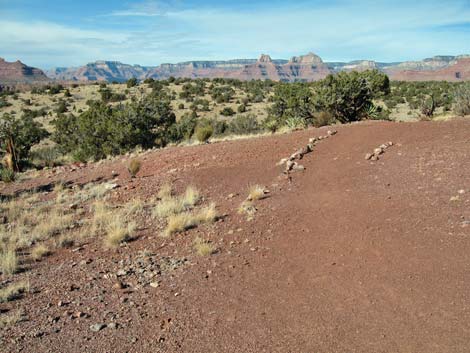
(255, 192)
(13, 291)
(39, 251)
(134, 167)
(203, 247)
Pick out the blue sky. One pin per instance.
(149, 32)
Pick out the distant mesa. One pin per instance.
(308, 67)
(17, 72)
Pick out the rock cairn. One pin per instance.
(374, 156)
(291, 163)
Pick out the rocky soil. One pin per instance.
(345, 255)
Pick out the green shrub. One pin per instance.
(344, 95)
(291, 100)
(7, 175)
(462, 99)
(241, 108)
(203, 133)
(184, 128)
(103, 130)
(132, 82)
(17, 136)
(244, 124)
(227, 111)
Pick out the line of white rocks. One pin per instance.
(290, 162)
(374, 156)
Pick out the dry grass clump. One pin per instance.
(165, 192)
(172, 205)
(168, 207)
(180, 222)
(183, 221)
(39, 251)
(134, 167)
(7, 320)
(203, 247)
(190, 197)
(8, 260)
(255, 192)
(133, 208)
(13, 291)
(248, 208)
(207, 214)
(53, 223)
(118, 232)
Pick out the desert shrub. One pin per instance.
(132, 82)
(323, 119)
(227, 111)
(46, 156)
(241, 108)
(61, 107)
(291, 100)
(7, 175)
(184, 128)
(17, 136)
(108, 95)
(378, 82)
(344, 95)
(203, 133)
(134, 167)
(243, 124)
(4, 103)
(104, 130)
(462, 99)
(222, 94)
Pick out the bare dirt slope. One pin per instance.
(350, 256)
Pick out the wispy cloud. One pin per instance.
(148, 8)
(151, 32)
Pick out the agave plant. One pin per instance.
(371, 112)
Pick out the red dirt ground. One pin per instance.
(351, 256)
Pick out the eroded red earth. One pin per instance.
(350, 256)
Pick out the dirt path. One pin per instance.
(352, 256)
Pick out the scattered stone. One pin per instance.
(378, 151)
(455, 198)
(110, 186)
(331, 133)
(461, 191)
(368, 156)
(97, 327)
(119, 285)
(121, 273)
(113, 325)
(374, 158)
(154, 284)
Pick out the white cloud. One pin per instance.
(373, 30)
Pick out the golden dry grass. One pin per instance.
(8, 261)
(180, 222)
(203, 247)
(255, 192)
(165, 192)
(13, 291)
(39, 251)
(173, 205)
(207, 214)
(118, 232)
(10, 319)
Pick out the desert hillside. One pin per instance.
(341, 254)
